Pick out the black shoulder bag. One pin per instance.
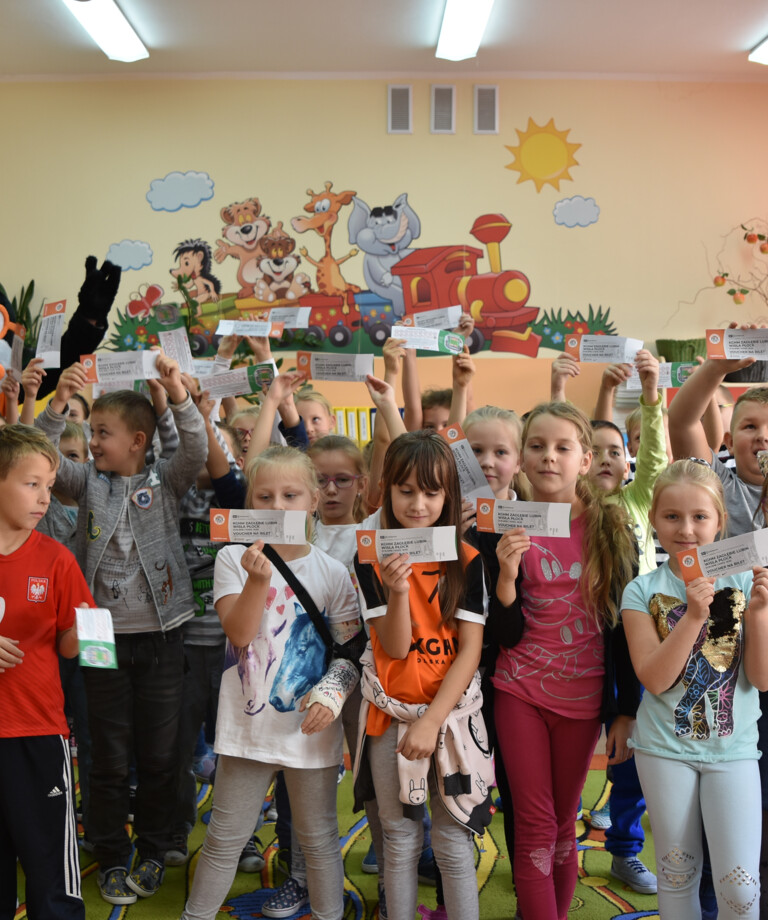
(352, 649)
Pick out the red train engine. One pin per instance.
(441, 276)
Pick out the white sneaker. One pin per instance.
(633, 873)
(600, 818)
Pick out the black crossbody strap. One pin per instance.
(301, 592)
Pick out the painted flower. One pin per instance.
(141, 330)
(581, 328)
(568, 324)
(547, 330)
(127, 340)
(557, 338)
(153, 340)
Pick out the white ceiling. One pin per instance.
(668, 39)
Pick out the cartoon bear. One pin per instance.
(278, 266)
(243, 229)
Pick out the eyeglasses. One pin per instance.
(245, 434)
(700, 461)
(341, 482)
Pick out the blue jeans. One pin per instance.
(135, 710)
(625, 836)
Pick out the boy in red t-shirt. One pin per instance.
(40, 586)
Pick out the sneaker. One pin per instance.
(204, 768)
(600, 818)
(178, 855)
(288, 900)
(271, 813)
(250, 859)
(113, 887)
(633, 873)
(146, 878)
(370, 866)
(427, 867)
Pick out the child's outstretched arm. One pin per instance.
(71, 477)
(383, 397)
(756, 632)
(241, 614)
(563, 367)
(280, 392)
(412, 418)
(463, 371)
(31, 381)
(181, 469)
(658, 664)
(10, 387)
(613, 375)
(686, 432)
(652, 452)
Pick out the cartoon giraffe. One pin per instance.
(324, 208)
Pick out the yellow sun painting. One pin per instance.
(544, 154)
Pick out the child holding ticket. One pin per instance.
(563, 649)
(278, 704)
(420, 684)
(700, 650)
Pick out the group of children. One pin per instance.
(497, 668)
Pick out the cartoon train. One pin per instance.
(432, 278)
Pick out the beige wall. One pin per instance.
(672, 166)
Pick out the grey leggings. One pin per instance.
(453, 844)
(680, 794)
(241, 786)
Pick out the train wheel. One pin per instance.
(475, 341)
(379, 333)
(215, 342)
(198, 345)
(287, 337)
(314, 335)
(339, 336)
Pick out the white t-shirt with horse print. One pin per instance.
(263, 684)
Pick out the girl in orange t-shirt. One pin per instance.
(426, 622)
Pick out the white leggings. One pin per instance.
(726, 797)
(241, 786)
(453, 844)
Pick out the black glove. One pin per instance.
(99, 290)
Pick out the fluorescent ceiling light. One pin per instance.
(760, 54)
(464, 22)
(107, 26)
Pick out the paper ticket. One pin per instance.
(334, 367)
(604, 349)
(228, 526)
(423, 544)
(540, 519)
(109, 366)
(17, 354)
(238, 382)
(737, 343)
(175, 344)
(96, 636)
(429, 339)
(290, 317)
(249, 327)
(51, 330)
(472, 479)
(445, 318)
(671, 374)
(736, 554)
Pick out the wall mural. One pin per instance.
(272, 270)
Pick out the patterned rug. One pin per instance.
(598, 895)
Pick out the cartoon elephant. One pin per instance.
(384, 235)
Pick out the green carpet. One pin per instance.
(598, 896)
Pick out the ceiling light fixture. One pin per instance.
(464, 22)
(109, 28)
(760, 54)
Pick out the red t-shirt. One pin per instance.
(40, 586)
(417, 677)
